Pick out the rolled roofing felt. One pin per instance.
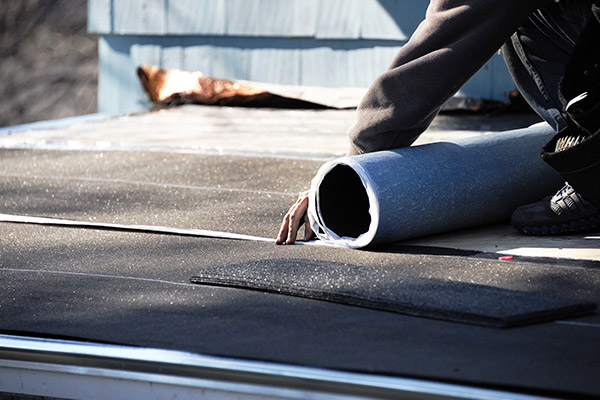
(409, 192)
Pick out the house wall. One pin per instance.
(330, 43)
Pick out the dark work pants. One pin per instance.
(580, 87)
(456, 38)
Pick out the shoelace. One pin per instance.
(568, 200)
(568, 141)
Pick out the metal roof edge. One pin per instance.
(70, 364)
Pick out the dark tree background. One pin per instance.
(48, 61)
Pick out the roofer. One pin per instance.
(543, 40)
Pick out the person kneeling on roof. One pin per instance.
(543, 40)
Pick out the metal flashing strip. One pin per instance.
(71, 369)
(24, 219)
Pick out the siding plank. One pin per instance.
(141, 17)
(305, 15)
(243, 17)
(324, 66)
(274, 18)
(171, 57)
(229, 63)
(198, 58)
(339, 19)
(274, 65)
(100, 16)
(346, 65)
(145, 54)
(391, 19)
(196, 17)
(380, 22)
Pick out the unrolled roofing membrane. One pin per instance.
(399, 194)
(385, 289)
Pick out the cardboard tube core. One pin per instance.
(344, 202)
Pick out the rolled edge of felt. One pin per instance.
(350, 179)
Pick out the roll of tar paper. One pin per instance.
(399, 194)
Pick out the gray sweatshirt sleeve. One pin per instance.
(456, 38)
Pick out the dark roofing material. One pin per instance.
(133, 288)
(382, 289)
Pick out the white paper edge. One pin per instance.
(325, 234)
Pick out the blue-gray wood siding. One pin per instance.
(320, 19)
(331, 43)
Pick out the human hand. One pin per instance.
(293, 220)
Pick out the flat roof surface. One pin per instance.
(239, 170)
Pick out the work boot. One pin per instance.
(574, 152)
(564, 213)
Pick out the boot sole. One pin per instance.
(584, 225)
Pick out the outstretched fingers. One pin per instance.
(283, 230)
(292, 221)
